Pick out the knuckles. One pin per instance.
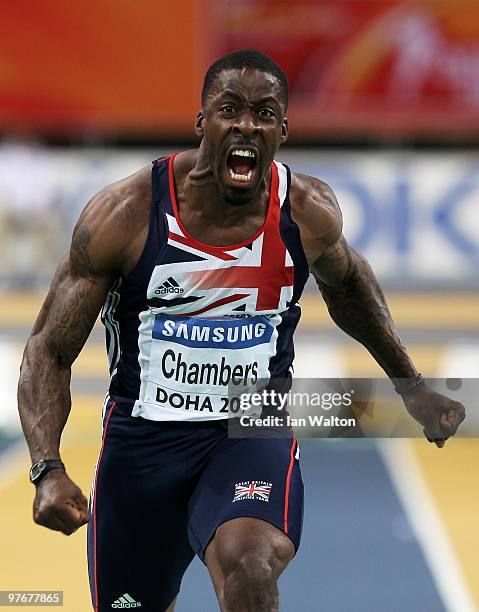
(55, 513)
(460, 411)
(60, 505)
(43, 514)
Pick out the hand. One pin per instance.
(439, 415)
(59, 504)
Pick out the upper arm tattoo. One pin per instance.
(80, 261)
(335, 265)
(70, 319)
(72, 305)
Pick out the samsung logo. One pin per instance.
(218, 334)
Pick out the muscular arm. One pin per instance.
(357, 304)
(62, 328)
(100, 247)
(352, 294)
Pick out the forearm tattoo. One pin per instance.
(358, 306)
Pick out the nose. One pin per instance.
(246, 124)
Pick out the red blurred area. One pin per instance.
(368, 65)
(98, 65)
(374, 67)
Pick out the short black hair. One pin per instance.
(245, 58)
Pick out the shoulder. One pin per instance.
(113, 219)
(315, 210)
(120, 202)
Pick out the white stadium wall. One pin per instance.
(414, 215)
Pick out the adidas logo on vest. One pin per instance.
(169, 286)
(125, 601)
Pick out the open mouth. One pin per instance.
(241, 164)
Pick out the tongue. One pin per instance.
(240, 165)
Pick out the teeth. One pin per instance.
(244, 153)
(241, 177)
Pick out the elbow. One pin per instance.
(41, 352)
(356, 263)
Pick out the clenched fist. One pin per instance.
(59, 504)
(439, 415)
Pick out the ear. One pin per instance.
(284, 130)
(199, 124)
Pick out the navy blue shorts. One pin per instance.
(161, 490)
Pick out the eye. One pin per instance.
(227, 108)
(266, 113)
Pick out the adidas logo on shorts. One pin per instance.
(169, 286)
(125, 601)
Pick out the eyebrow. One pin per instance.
(268, 99)
(232, 94)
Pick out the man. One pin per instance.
(186, 319)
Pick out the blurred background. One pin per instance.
(385, 108)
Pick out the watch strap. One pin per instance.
(404, 385)
(40, 468)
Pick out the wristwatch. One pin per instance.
(42, 467)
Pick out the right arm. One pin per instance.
(60, 331)
(76, 295)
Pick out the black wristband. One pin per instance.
(408, 384)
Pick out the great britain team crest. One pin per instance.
(252, 489)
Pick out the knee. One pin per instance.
(250, 582)
(251, 572)
(246, 559)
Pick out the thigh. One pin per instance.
(138, 548)
(258, 478)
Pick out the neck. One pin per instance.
(197, 190)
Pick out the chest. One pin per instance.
(217, 231)
(253, 277)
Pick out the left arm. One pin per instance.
(357, 305)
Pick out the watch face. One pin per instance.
(37, 469)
